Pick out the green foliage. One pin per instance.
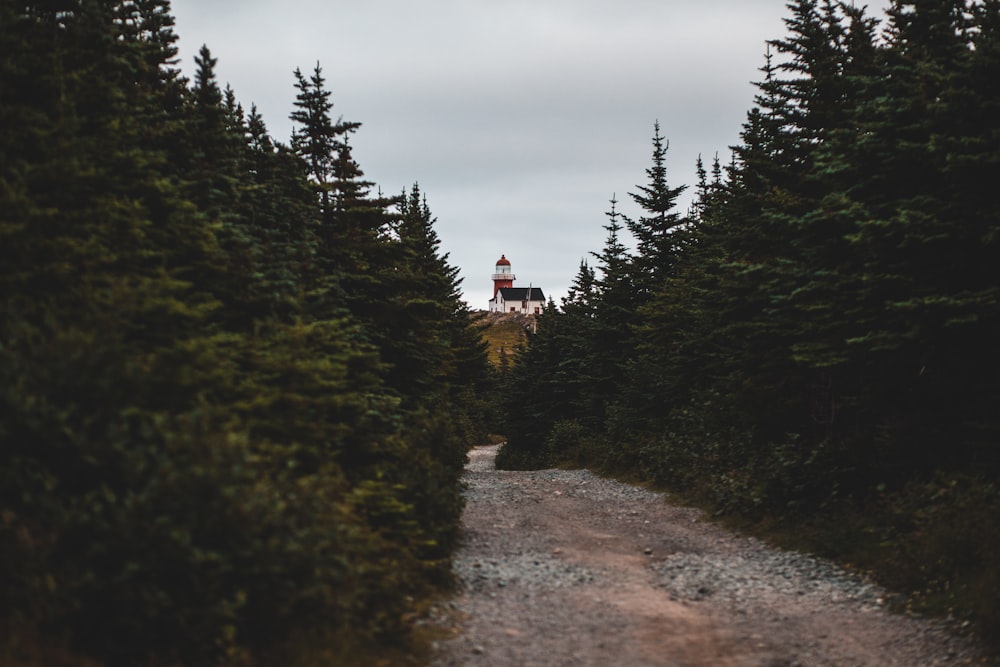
(223, 426)
(564, 437)
(943, 543)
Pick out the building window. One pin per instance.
(538, 311)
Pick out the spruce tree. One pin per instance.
(579, 309)
(317, 138)
(653, 230)
(615, 301)
(659, 244)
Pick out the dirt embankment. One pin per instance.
(563, 568)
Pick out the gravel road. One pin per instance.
(564, 568)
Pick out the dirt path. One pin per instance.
(563, 568)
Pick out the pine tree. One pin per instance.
(585, 405)
(438, 361)
(677, 331)
(354, 226)
(653, 230)
(214, 142)
(615, 301)
(280, 211)
(317, 138)
(659, 243)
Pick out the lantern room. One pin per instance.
(502, 277)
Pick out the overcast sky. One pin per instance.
(519, 119)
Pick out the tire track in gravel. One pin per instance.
(566, 569)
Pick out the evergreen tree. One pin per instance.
(317, 138)
(281, 208)
(438, 363)
(615, 300)
(212, 141)
(584, 404)
(354, 225)
(659, 244)
(653, 230)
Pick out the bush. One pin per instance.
(940, 542)
(564, 438)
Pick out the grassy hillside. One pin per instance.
(504, 331)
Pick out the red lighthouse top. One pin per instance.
(502, 277)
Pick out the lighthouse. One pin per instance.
(502, 277)
(510, 299)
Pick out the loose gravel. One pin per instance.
(743, 579)
(565, 568)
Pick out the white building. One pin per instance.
(510, 299)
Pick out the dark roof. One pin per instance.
(522, 294)
(503, 260)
